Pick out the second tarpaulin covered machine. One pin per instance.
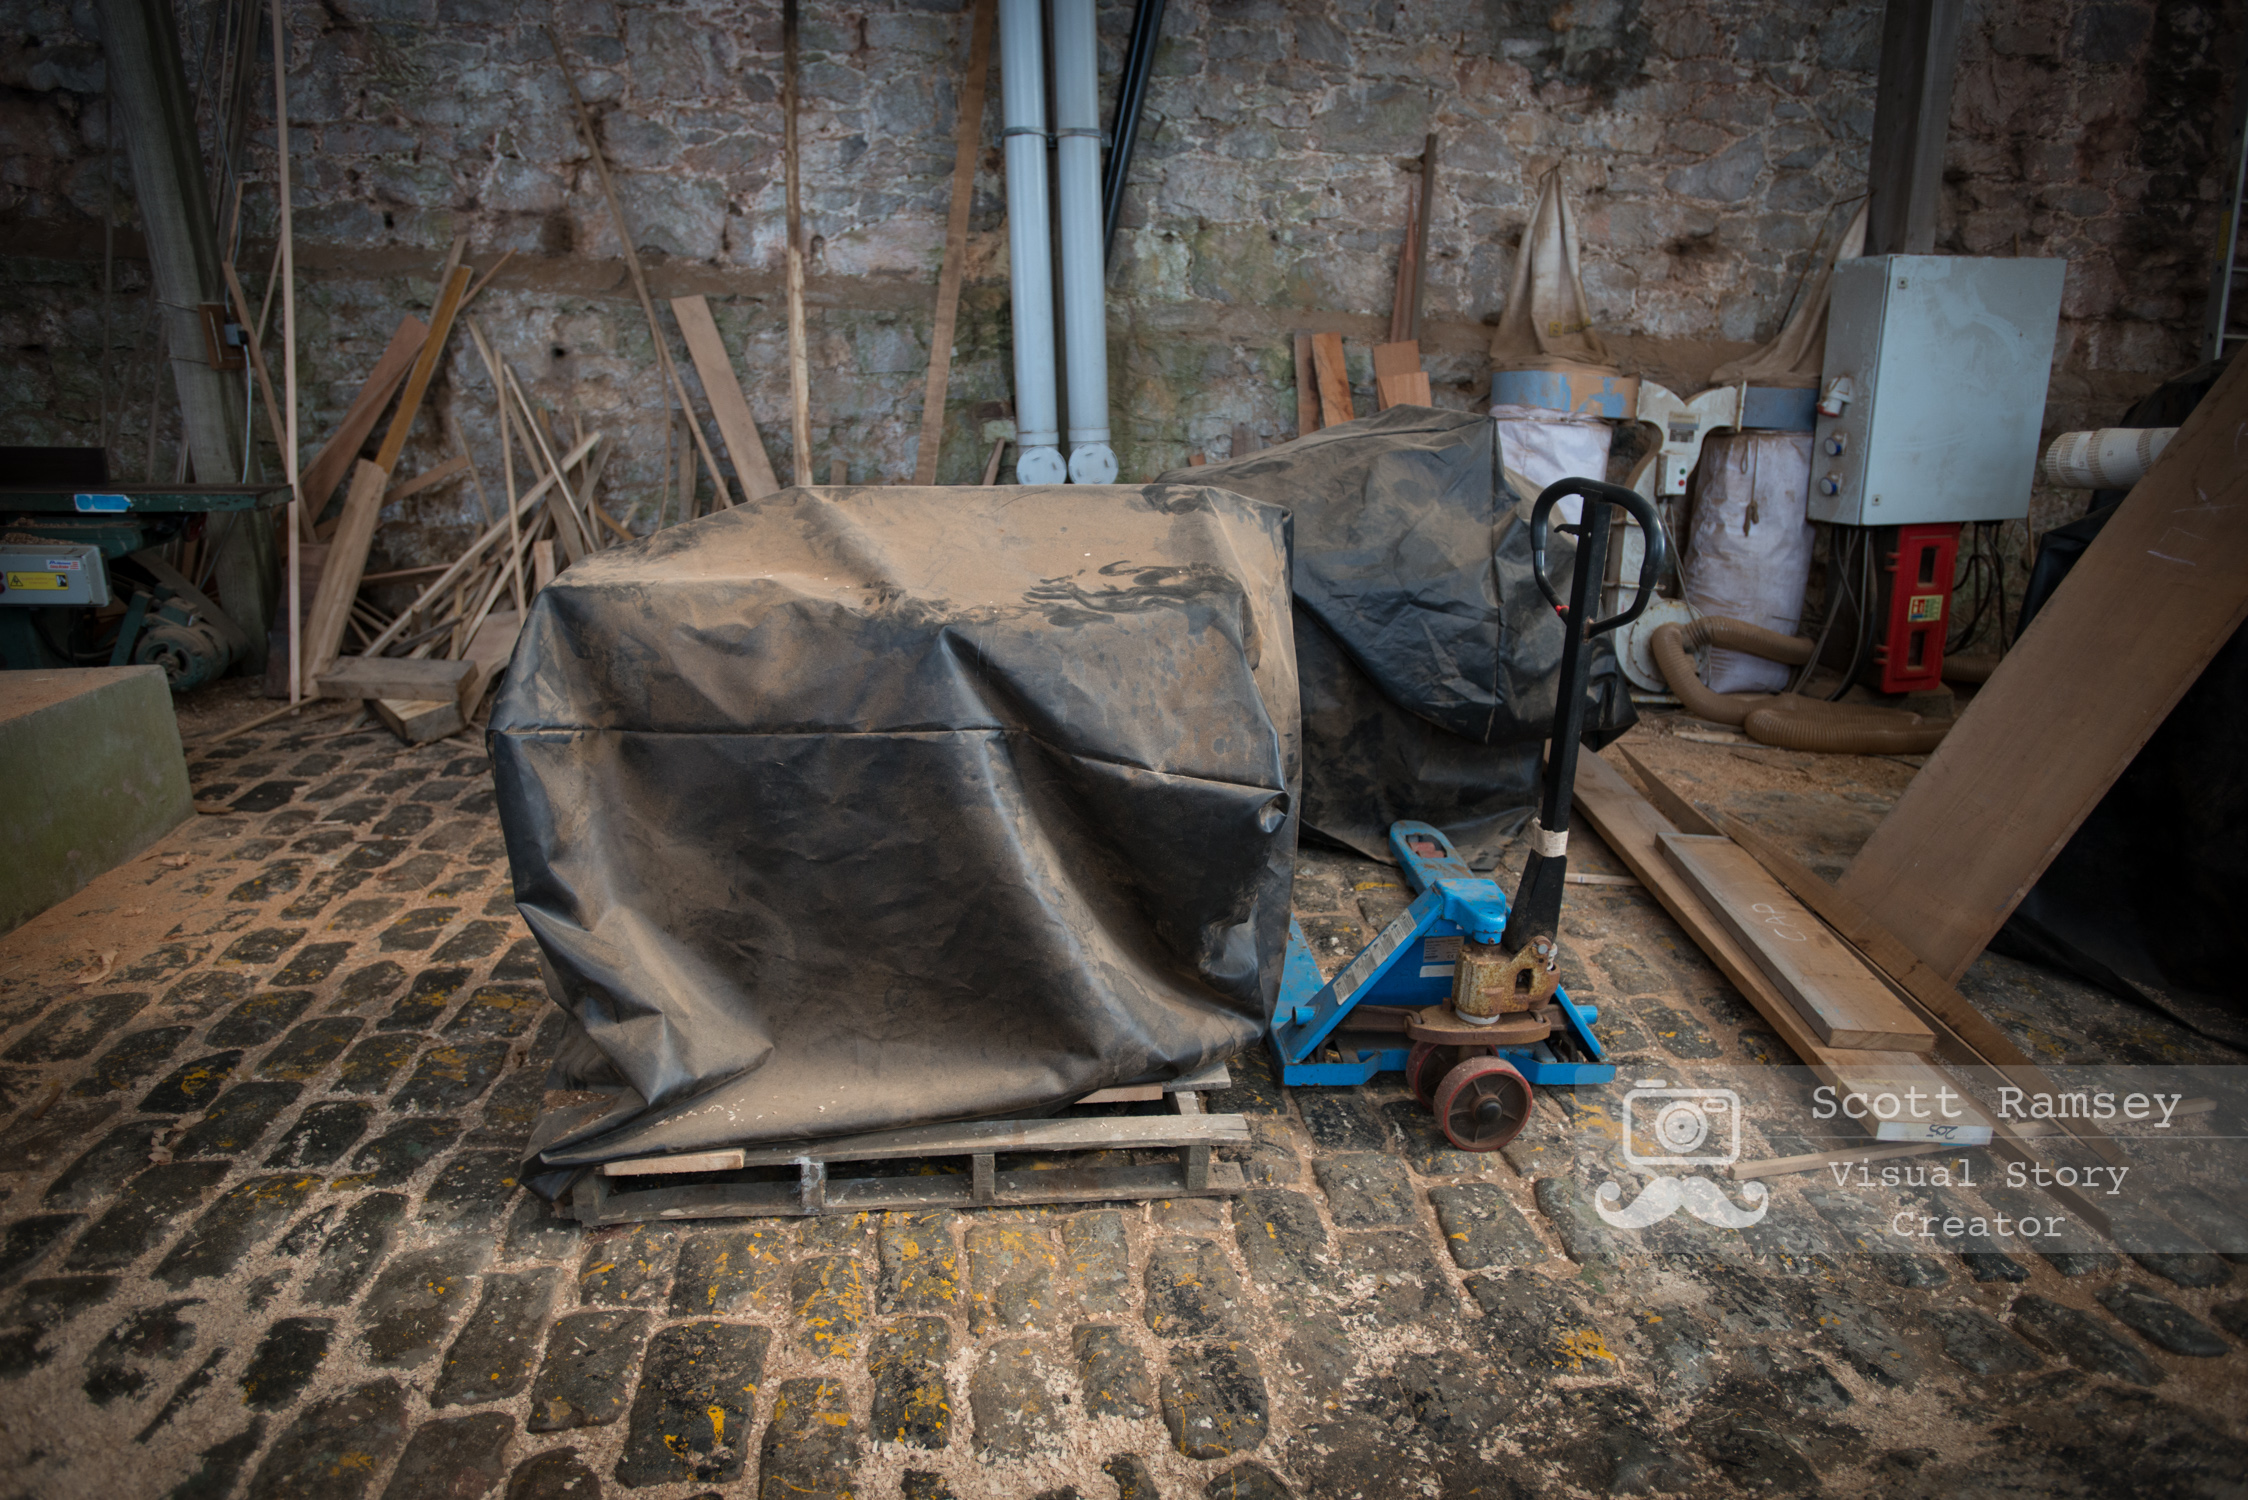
(852, 809)
(1428, 658)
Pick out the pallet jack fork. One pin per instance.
(1468, 980)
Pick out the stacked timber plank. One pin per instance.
(1841, 991)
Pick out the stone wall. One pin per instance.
(1709, 147)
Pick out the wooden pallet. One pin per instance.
(754, 1182)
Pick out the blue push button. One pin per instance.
(102, 504)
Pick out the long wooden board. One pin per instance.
(1837, 996)
(1923, 985)
(2129, 630)
(1629, 825)
(362, 506)
(347, 555)
(735, 425)
(1307, 388)
(1963, 1033)
(404, 677)
(1334, 379)
(326, 471)
(1399, 379)
(967, 147)
(425, 370)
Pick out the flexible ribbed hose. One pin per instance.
(1787, 720)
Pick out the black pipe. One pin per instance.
(1124, 132)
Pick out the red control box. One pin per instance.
(1910, 653)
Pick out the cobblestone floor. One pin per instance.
(260, 1235)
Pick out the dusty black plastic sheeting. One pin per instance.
(852, 809)
(1429, 660)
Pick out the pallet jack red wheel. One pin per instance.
(1425, 1067)
(1482, 1104)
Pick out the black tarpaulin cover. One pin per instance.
(1428, 658)
(859, 808)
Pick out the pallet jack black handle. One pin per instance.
(1652, 560)
(1536, 910)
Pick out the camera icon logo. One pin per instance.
(1684, 1127)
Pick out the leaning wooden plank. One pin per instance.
(393, 677)
(426, 479)
(326, 471)
(1684, 816)
(1410, 389)
(355, 529)
(1628, 824)
(418, 721)
(799, 359)
(967, 147)
(489, 651)
(735, 425)
(1928, 989)
(1307, 388)
(1835, 994)
(475, 549)
(339, 578)
(1334, 379)
(425, 370)
(1399, 379)
(625, 243)
(2143, 611)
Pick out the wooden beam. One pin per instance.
(1683, 814)
(326, 470)
(347, 560)
(280, 429)
(1399, 379)
(426, 479)
(1334, 379)
(1628, 824)
(1835, 994)
(736, 427)
(1921, 984)
(967, 146)
(419, 721)
(425, 370)
(461, 564)
(799, 365)
(1420, 238)
(393, 677)
(1911, 119)
(1307, 388)
(632, 262)
(490, 649)
(2073, 702)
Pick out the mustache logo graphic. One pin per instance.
(1704, 1199)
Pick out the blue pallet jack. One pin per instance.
(1462, 993)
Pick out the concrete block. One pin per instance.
(91, 773)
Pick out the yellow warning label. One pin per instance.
(1924, 608)
(37, 581)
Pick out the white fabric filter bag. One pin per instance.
(1540, 446)
(1748, 555)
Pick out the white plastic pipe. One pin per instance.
(1084, 317)
(1022, 97)
(2111, 458)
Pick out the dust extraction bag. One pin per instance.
(854, 809)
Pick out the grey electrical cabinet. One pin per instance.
(1942, 363)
